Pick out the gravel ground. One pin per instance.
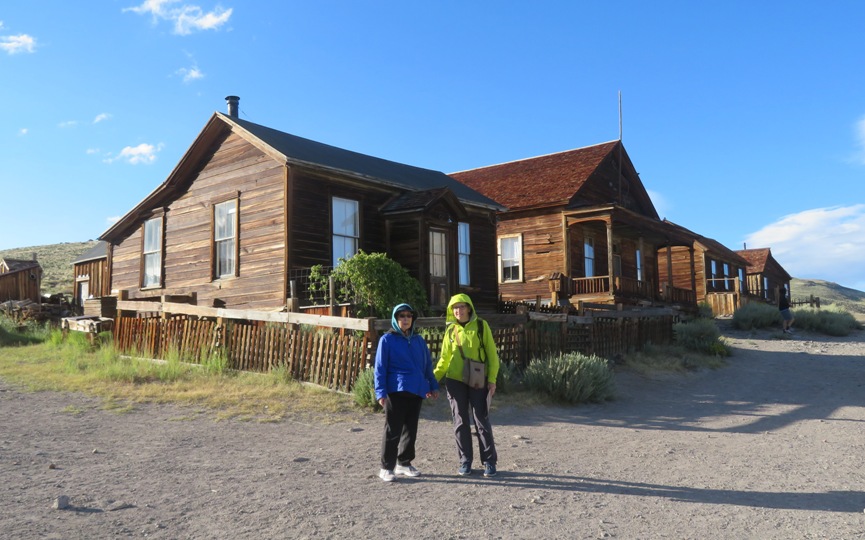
(768, 447)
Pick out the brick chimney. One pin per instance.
(233, 102)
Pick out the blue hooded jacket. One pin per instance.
(403, 363)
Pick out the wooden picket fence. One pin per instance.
(333, 351)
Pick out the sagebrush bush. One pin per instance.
(508, 378)
(705, 310)
(571, 378)
(831, 320)
(700, 335)
(653, 358)
(364, 390)
(754, 315)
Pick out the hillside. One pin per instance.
(56, 261)
(828, 292)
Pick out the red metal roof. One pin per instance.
(540, 181)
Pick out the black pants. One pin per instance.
(401, 415)
(464, 399)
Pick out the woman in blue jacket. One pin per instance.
(403, 377)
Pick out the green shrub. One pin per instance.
(508, 379)
(705, 310)
(754, 315)
(675, 358)
(700, 335)
(571, 378)
(831, 320)
(364, 390)
(373, 283)
(13, 333)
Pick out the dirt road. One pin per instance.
(769, 447)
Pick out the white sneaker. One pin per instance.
(386, 475)
(407, 470)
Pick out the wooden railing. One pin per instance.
(675, 295)
(591, 285)
(633, 287)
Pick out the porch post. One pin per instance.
(669, 272)
(610, 255)
(693, 271)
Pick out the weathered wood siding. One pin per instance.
(681, 257)
(543, 253)
(236, 168)
(20, 286)
(96, 273)
(483, 262)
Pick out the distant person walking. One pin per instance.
(469, 337)
(403, 377)
(784, 308)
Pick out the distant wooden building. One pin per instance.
(714, 272)
(20, 279)
(765, 275)
(90, 271)
(584, 218)
(248, 207)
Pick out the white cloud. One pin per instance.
(136, 155)
(187, 18)
(18, 44)
(68, 124)
(823, 243)
(100, 117)
(91, 151)
(23, 131)
(190, 74)
(111, 220)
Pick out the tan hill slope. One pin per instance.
(828, 292)
(56, 261)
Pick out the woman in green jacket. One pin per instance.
(466, 331)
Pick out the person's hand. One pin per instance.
(492, 388)
(434, 394)
(381, 402)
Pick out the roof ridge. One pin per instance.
(536, 157)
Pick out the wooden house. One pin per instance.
(20, 279)
(719, 274)
(579, 223)
(248, 207)
(90, 272)
(764, 274)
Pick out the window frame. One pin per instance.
(588, 269)
(215, 242)
(159, 221)
(518, 258)
(350, 238)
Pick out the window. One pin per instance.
(152, 253)
(511, 257)
(346, 229)
(766, 288)
(713, 285)
(726, 275)
(438, 262)
(589, 256)
(465, 251)
(743, 285)
(639, 257)
(225, 239)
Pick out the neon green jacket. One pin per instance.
(450, 363)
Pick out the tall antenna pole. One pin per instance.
(620, 147)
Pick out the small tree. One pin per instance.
(373, 283)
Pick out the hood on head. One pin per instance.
(456, 299)
(397, 309)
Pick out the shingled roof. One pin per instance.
(759, 258)
(713, 246)
(539, 181)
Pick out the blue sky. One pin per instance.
(746, 120)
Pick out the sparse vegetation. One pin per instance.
(702, 336)
(671, 358)
(571, 378)
(756, 315)
(364, 391)
(832, 320)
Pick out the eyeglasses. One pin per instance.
(460, 306)
(403, 315)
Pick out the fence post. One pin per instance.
(370, 343)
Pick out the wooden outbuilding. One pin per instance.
(20, 279)
(248, 207)
(581, 224)
(91, 275)
(765, 275)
